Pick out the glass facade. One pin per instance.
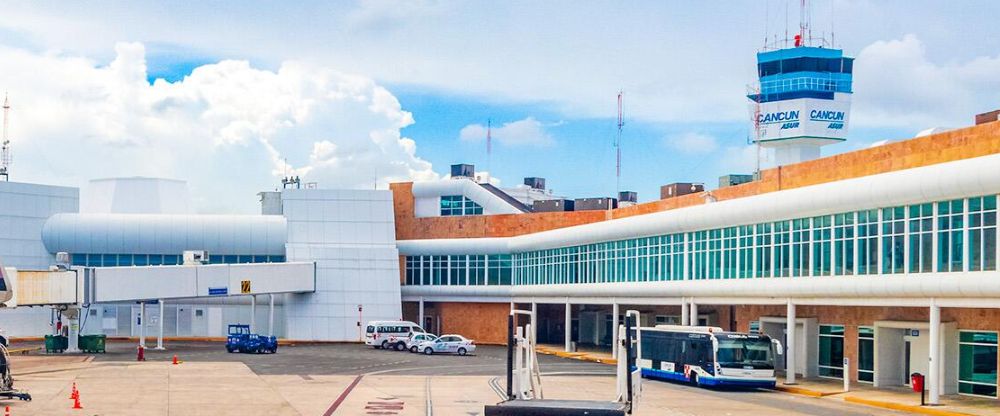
(116, 260)
(459, 270)
(452, 205)
(866, 354)
(831, 351)
(977, 363)
(943, 236)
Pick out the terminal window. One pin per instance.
(977, 363)
(454, 205)
(831, 351)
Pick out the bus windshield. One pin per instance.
(746, 353)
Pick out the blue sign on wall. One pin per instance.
(218, 291)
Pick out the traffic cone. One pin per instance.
(75, 394)
(6, 411)
(73, 391)
(76, 401)
(175, 359)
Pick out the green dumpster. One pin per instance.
(56, 343)
(93, 343)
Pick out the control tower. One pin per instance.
(802, 101)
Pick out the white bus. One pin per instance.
(390, 334)
(707, 356)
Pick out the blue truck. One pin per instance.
(241, 340)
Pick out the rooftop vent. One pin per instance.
(535, 183)
(628, 196)
(987, 117)
(463, 170)
(734, 179)
(594, 204)
(680, 188)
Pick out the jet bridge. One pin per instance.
(70, 290)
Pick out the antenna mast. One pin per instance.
(489, 148)
(5, 146)
(618, 146)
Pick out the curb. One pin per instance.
(582, 356)
(804, 391)
(23, 351)
(903, 407)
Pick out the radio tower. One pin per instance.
(5, 147)
(618, 147)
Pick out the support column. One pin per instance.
(420, 315)
(73, 330)
(694, 313)
(614, 330)
(142, 324)
(159, 335)
(270, 315)
(934, 362)
(685, 319)
(253, 314)
(790, 344)
(569, 328)
(534, 324)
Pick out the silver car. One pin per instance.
(448, 344)
(417, 339)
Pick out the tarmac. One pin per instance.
(208, 381)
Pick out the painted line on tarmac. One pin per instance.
(427, 392)
(343, 396)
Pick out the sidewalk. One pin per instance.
(902, 399)
(895, 398)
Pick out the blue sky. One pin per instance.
(548, 70)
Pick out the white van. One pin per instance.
(386, 334)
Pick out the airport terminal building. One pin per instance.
(885, 257)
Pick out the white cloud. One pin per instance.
(227, 128)
(692, 143)
(897, 84)
(525, 132)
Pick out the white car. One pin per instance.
(448, 343)
(417, 339)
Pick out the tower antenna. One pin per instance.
(618, 146)
(489, 147)
(5, 146)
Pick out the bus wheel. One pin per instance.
(694, 379)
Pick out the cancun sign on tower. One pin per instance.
(804, 117)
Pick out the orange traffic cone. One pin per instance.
(6, 411)
(76, 401)
(73, 391)
(175, 359)
(75, 394)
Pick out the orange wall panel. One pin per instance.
(943, 147)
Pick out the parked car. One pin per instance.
(448, 344)
(387, 334)
(417, 339)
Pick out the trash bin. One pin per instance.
(93, 343)
(56, 343)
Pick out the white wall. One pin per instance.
(350, 234)
(23, 210)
